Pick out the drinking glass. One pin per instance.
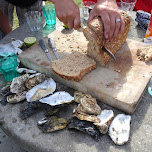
(128, 5)
(49, 14)
(8, 65)
(87, 6)
(33, 19)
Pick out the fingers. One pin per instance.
(106, 23)
(77, 22)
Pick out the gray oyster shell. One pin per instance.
(15, 98)
(34, 80)
(18, 84)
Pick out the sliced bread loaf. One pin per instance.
(74, 66)
(95, 44)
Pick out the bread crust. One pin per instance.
(61, 65)
(98, 54)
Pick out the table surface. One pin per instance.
(27, 134)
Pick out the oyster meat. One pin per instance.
(18, 84)
(105, 120)
(84, 126)
(57, 98)
(52, 124)
(119, 129)
(15, 98)
(41, 90)
(34, 80)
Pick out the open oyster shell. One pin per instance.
(15, 98)
(57, 98)
(105, 120)
(41, 90)
(18, 84)
(34, 80)
(119, 129)
(52, 124)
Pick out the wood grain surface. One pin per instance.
(119, 84)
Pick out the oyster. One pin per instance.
(87, 117)
(15, 98)
(34, 80)
(18, 84)
(41, 90)
(120, 128)
(17, 43)
(57, 98)
(77, 96)
(105, 120)
(88, 105)
(84, 126)
(52, 124)
(25, 70)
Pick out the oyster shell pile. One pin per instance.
(57, 98)
(41, 90)
(87, 108)
(52, 124)
(119, 129)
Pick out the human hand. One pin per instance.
(68, 13)
(109, 13)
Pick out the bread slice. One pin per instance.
(74, 66)
(96, 27)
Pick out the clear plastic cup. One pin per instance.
(128, 5)
(87, 6)
(150, 87)
(33, 19)
(49, 14)
(8, 65)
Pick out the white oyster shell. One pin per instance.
(17, 43)
(105, 120)
(41, 90)
(25, 70)
(58, 98)
(119, 129)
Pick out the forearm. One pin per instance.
(4, 25)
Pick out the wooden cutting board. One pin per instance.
(119, 84)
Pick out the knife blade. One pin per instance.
(53, 47)
(44, 48)
(109, 52)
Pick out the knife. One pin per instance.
(44, 48)
(103, 48)
(109, 52)
(53, 47)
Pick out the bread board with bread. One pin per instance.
(119, 84)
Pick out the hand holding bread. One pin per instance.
(111, 18)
